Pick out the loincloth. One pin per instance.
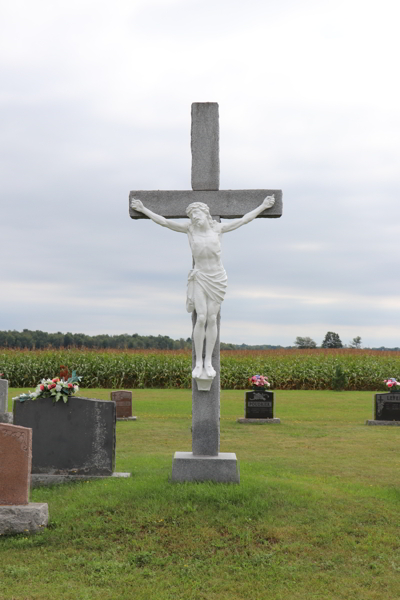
(214, 286)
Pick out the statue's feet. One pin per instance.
(197, 371)
(209, 370)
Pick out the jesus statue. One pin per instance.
(207, 281)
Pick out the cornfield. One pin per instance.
(286, 369)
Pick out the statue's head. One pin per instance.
(195, 206)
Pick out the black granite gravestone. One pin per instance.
(387, 407)
(259, 404)
(75, 438)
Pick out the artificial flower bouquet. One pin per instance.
(56, 388)
(259, 381)
(392, 384)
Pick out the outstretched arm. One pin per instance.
(174, 225)
(235, 223)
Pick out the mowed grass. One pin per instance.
(316, 514)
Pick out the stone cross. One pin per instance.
(205, 462)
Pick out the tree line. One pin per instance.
(40, 340)
(332, 340)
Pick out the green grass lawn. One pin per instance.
(316, 514)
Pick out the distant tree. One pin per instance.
(304, 342)
(332, 340)
(355, 343)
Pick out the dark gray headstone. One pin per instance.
(259, 404)
(387, 407)
(73, 438)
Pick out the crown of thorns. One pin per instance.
(199, 205)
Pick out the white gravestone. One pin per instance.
(207, 282)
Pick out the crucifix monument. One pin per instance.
(205, 205)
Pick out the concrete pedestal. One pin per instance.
(24, 518)
(223, 468)
(373, 422)
(43, 479)
(258, 421)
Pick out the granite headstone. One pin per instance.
(15, 464)
(17, 514)
(259, 404)
(259, 407)
(123, 401)
(73, 438)
(387, 407)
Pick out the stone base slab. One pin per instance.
(126, 418)
(6, 417)
(223, 468)
(43, 479)
(372, 422)
(258, 421)
(30, 518)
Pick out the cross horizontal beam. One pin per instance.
(227, 204)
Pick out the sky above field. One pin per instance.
(95, 102)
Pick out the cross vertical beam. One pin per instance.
(205, 176)
(205, 146)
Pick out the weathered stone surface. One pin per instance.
(258, 421)
(223, 468)
(19, 519)
(206, 408)
(123, 401)
(76, 438)
(3, 395)
(6, 417)
(205, 146)
(228, 204)
(15, 464)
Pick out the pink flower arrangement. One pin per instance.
(392, 384)
(259, 380)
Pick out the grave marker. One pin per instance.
(259, 407)
(205, 462)
(72, 440)
(123, 402)
(16, 513)
(386, 409)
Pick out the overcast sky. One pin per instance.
(95, 102)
